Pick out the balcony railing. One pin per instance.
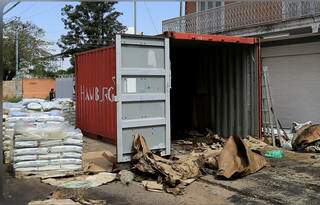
(242, 14)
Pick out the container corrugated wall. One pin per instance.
(95, 91)
(219, 84)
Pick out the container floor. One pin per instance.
(294, 179)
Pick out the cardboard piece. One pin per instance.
(237, 160)
(82, 181)
(172, 173)
(306, 137)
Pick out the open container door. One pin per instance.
(143, 93)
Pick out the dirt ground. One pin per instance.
(294, 179)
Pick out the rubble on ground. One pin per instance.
(63, 196)
(126, 177)
(303, 137)
(235, 159)
(82, 181)
(307, 138)
(172, 173)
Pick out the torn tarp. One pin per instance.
(172, 173)
(237, 160)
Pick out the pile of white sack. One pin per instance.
(40, 114)
(46, 147)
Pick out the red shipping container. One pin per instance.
(95, 91)
(158, 86)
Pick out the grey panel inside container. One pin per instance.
(214, 86)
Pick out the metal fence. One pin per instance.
(241, 15)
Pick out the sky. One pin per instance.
(47, 15)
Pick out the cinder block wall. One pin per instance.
(12, 88)
(37, 88)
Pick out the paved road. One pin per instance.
(294, 179)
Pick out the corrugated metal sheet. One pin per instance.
(219, 84)
(64, 87)
(294, 71)
(95, 91)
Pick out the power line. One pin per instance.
(150, 16)
(9, 9)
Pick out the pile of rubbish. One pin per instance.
(303, 137)
(234, 160)
(38, 138)
(231, 159)
(306, 138)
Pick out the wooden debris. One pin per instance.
(152, 186)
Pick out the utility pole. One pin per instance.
(135, 16)
(180, 14)
(18, 91)
(17, 51)
(180, 8)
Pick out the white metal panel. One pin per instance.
(64, 88)
(142, 77)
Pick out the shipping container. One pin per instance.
(159, 86)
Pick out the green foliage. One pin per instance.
(90, 25)
(13, 99)
(49, 74)
(33, 50)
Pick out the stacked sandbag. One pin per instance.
(25, 116)
(46, 147)
(68, 110)
(69, 114)
(9, 110)
(37, 112)
(7, 144)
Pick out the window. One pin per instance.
(204, 5)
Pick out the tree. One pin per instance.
(90, 25)
(33, 50)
